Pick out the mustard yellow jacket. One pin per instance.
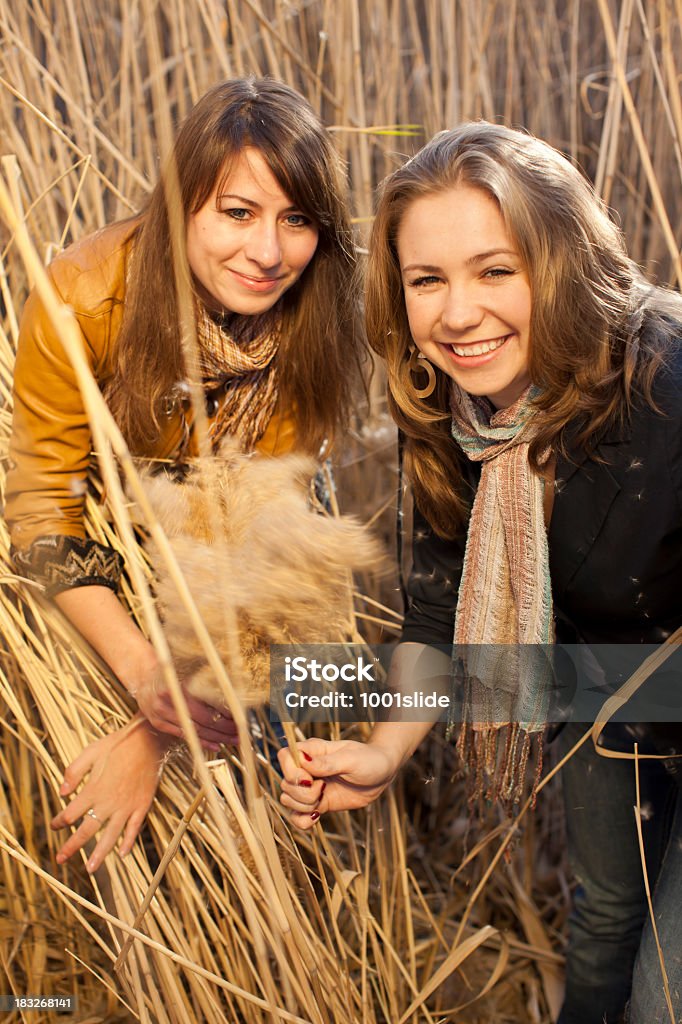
(50, 447)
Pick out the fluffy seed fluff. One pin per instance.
(247, 539)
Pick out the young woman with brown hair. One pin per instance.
(266, 254)
(536, 379)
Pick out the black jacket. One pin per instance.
(615, 537)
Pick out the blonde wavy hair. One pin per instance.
(598, 329)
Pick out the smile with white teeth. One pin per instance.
(480, 349)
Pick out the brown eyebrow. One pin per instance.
(233, 195)
(481, 257)
(424, 267)
(250, 202)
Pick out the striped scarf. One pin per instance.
(505, 598)
(240, 377)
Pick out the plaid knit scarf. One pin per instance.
(239, 376)
(505, 598)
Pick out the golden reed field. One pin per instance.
(408, 912)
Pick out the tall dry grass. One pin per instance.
(377, 916)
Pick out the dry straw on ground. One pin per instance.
(376, 917)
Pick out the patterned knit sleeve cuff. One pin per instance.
(62, 563)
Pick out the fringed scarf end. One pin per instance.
(495, 760)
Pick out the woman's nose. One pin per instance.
(263, 245)
(461, 310)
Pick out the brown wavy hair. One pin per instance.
(320, 353)
(598, 330)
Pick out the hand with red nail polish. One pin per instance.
(341, 775)
(332, 776)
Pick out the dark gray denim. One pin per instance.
(609, 931)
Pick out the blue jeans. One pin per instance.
(611, 949)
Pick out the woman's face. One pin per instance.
(467, 292)
(248, 243)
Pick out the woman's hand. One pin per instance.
(125, 768)
(334, 776)
(98, 614)
(341, 775)
(214, 726)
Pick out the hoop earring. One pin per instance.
(418, 363)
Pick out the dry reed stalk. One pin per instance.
(606, 164)
(641, 143)
(666, 102)
(647, 888)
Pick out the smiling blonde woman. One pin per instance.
(536, 378)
